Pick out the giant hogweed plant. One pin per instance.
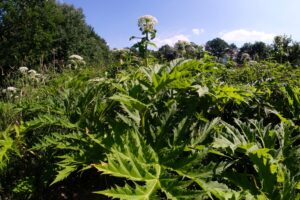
(166, 143)
(162, 131)
(146, 25)
(185, 172)
(55, 115)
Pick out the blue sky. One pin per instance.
(197, 21)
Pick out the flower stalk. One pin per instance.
(146, 25)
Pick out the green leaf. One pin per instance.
(64, 173)
(138, 192)
(6, 146)
(130, 102)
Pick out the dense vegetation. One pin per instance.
(42, 34)
(188, 129)
(177, 123)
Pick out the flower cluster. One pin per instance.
(75, 61)
(23, 70)
(9, 89)
(77, 57)
(10, 92)
(147, 23)
(31, 74)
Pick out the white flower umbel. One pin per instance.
(4, 91)
(75, 62)
(32, 72)
(147, 23)
(23, 70)
(77, 57)
(11, 89)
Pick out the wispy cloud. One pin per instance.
(197, 31)
(243, 35)
(171, 40)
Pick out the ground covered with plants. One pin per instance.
(178, 123)
(189, 129)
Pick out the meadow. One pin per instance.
(195, 127)
(189, 129)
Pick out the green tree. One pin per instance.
(194, 51)
(294, 55)
(256, 51)
(217, 47)
(28, 30)
(44, 33)
(281, 48)
(245, 49)
(260, 50)
(76, 37)
(166, 52)
(232, 51)
(180, 47)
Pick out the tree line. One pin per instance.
(42, 34)
(282, 50)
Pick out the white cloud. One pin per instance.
(171, 40)
(197, 31)
(243, 35)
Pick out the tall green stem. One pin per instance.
(146, 49)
